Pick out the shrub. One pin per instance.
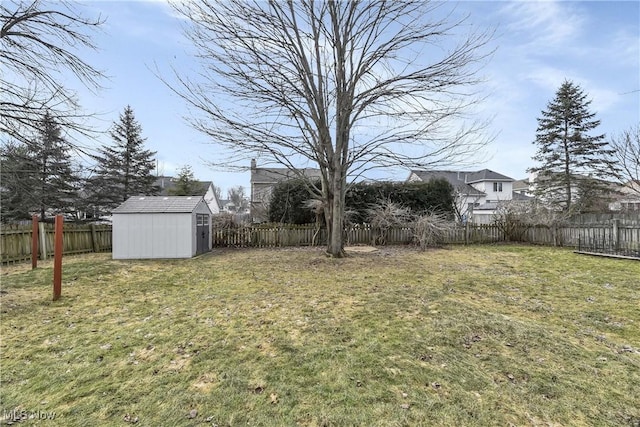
(430, 229)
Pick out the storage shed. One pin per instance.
(161, 227)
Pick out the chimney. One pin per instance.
(253, 164)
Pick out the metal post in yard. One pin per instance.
(57, 258)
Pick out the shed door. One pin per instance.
(202, 233)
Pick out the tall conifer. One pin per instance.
(124, 169)
(574, 160)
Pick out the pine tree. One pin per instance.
(573, 163)
(18, 181)
(124, 169)
(39, 177)
(55, 179)
(186, 184)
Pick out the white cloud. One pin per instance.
(545, 24)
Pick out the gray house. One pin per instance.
(264, 179)
(161, 227)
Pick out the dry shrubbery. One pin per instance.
(428, 229)
(514, 218)
(387, 215)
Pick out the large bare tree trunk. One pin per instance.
(335, 241)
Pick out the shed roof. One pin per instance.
(159, 204)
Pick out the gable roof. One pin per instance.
(455, 178)
(167, 183)
(274, 175)
(521, 184)
(159, 204)
(486, 175)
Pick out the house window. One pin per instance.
(497, 187)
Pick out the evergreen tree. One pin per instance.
(40, 176)
(55, 179)
(571, 159)
(124, 169)
(17, 168)
(186, 184)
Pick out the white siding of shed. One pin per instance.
(153, 235)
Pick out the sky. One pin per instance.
(538, 46)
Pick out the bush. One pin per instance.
(385, 216)
(290, 200)
(430, 229)
(289, 203)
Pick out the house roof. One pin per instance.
(167, 183)
(521, 184)
(274, 175)
(159, 204)
(486, 175)
(455, 178)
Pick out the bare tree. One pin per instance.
(626, 148)
(238, 197)
(345, 85)
(38, 44)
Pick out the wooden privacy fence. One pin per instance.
(359, 234)
(614, 237)
(15, 240)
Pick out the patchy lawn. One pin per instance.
(479, 335)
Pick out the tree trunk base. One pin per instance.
(341, 254)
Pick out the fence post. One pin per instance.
(34, 242)
(94, 238)
(615, 235)
(466, 232)
(43, 241)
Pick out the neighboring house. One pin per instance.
(522, 186)
(226, 205)
(262, 182)
(627, 199)
(205, 189)
(610, 192)
(477, 194)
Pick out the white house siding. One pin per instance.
(153, 235)
(497, 196)
(211, 200)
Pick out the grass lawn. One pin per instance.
(480, 335)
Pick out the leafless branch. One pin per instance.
(348, 86)
(38, 48)
(626, 148)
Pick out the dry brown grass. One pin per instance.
(484, 335)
